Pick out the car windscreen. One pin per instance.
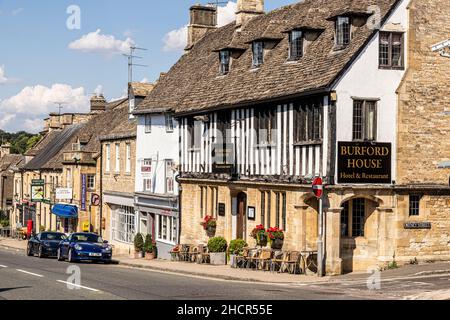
(87, 238)
(52, 236)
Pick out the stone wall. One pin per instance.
(423, 129)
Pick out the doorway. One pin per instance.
(240, 215)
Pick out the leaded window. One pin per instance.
(358, 217)
(266, 126)
(364, 120)
(391, 50)
(308, 121)
(258, 53)
(343, 28)
(295, 45)
(224, 61)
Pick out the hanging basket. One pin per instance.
(277, 244)
(211, 231)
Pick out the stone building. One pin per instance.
(346, 90)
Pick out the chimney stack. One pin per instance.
(202, 19)
(5, 149)
(248, 9)
(98, 104)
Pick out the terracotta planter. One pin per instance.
(277, 244)
(149, 256)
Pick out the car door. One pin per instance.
(36, 242)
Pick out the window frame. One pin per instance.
(389, 65)
(123, 230)
(308, 122)
(266, 119)
(108, 158)
(88, 184)
(344, 44)
(172, 230)
(224, 62)
(352, 221)
(414, 211)
(169, 163)
(148, 123)
(257, 56)
(117, 158)
(168, 118)
(299, 42)
(363, 125)
(128, 158)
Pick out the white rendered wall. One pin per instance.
(159, 145)
(365, 80)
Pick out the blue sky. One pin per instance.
(41, 60)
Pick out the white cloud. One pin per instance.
(227, 14)
(26, 110)
(99, 90)
(95, 42)
(145, 80)
(3, 78)
(176, 40)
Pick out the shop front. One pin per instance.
(119, 210)
(158, 215)
(66, 217)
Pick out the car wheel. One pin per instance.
(29, 250)
(40, 253)
(60, 257)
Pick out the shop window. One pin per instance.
(123, 224)
(166, 229)
(414, 205)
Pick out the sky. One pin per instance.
(65, 51)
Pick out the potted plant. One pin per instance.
(209, 224)
(138, 246)
(149, 248)
(218, 251)
(236, 248)
(260, 235)
(276, 237)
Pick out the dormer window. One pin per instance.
(343, 28)
(224, 56)
(258, 53)
(295, 45)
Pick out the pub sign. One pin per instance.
(364, 162)
(223, 158)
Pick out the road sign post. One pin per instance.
(318, 192)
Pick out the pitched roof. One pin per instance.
(45, 140)
(101, 124)
(10, 160)
(52, 148)
(193, 83)
(141, 89)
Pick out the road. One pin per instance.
(29, 278)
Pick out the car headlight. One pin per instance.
(107, 249)
(78, 247)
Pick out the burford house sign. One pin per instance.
(364, 162)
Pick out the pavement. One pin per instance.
(418, 282)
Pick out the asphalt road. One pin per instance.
(31, 278)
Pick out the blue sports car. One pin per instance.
(84, 247)
(45, 244)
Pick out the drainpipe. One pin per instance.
(101, 191)
(180, 193)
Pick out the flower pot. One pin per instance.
(262, 241)
(149, 256)
(211, 232)
(218, 258)
(138, 255)
(277, 244)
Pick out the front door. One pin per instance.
(241, 208)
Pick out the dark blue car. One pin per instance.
(84, 247)
(45, 244)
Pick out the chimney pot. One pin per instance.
(98, 104)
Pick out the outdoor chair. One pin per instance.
(293, 264)
(192, 254)
(278, 263)
(202, 254)
(175, 253)
(241, 260)
(251, 261)
(184, 252)
(263, 260)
